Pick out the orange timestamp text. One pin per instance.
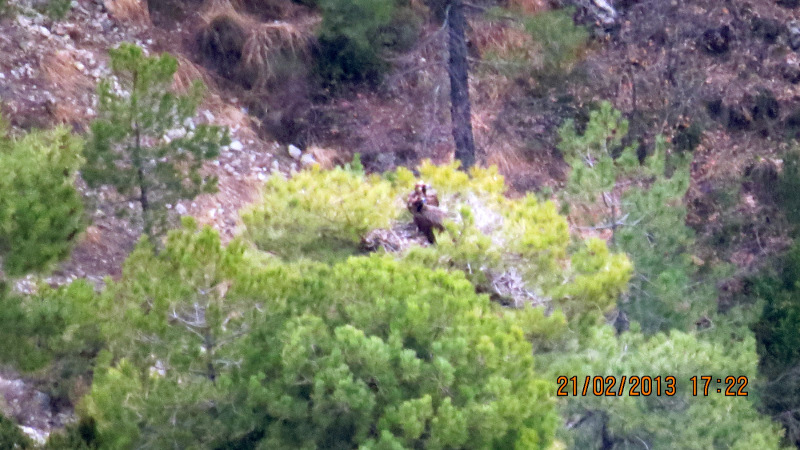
(611, 386)
(635, 386)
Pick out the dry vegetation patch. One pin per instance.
(528, 6)
(188, 72)
(130, 12)
(246, 50)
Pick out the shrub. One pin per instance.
(688, 138)
(75, 436)
(57, 9)
(777, 290)
(788, 186)
(354, 35)
(560, 40)
(324, 216)
(231, 347)
(222, 43)
(320, 214)
(5, 9)
(367, 352)
(52, 337)
(11, 437)
(41, 212)
(402, 32)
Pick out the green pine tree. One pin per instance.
(226, 347)
(669, 417)
(641, 204)
(144, 142)
(41, 212)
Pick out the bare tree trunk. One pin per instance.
(208, 343)
(138, 162)
(458, 69)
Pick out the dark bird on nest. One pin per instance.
(423, 205)
(425, 190)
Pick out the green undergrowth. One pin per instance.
(323, 215)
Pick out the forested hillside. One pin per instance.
(337, 224)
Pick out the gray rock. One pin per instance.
(295, 152)
(604, 11)
(791, 71)
(236, 146)
(794, 35)
(307, 159)
(38, 436)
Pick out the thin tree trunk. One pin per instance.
(458, 69)
(143, 200)
(139, 164)
(610, 198)
(209, 345)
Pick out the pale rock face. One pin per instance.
(605, 12)
(307, 159)
(236, 146)
(176, 133)
(38, 436)
(295, 152)
(180, 209)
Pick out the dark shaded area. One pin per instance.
(717, 40)
(221, 45)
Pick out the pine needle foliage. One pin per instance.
(552, 46)
(12, 437)
(355, 34)
(641, 205)
(320, 214)
(682, 420)
(778, 293)
(560, 41)
(324, 215)
(370, 352)
(41, 212)
(490, 235)
(787, 187)
(51, 336)
(6, 10)
(144, 142)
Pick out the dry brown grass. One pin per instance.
(504, 41)
(269, 43)
(129, 11)
(528, 6)
(215, 8)
(232, 117)
(327, 158)
(67, 113)
(507, 158)
(268, 9)
(189, 72)
(61, 69)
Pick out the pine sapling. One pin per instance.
(144, 142)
